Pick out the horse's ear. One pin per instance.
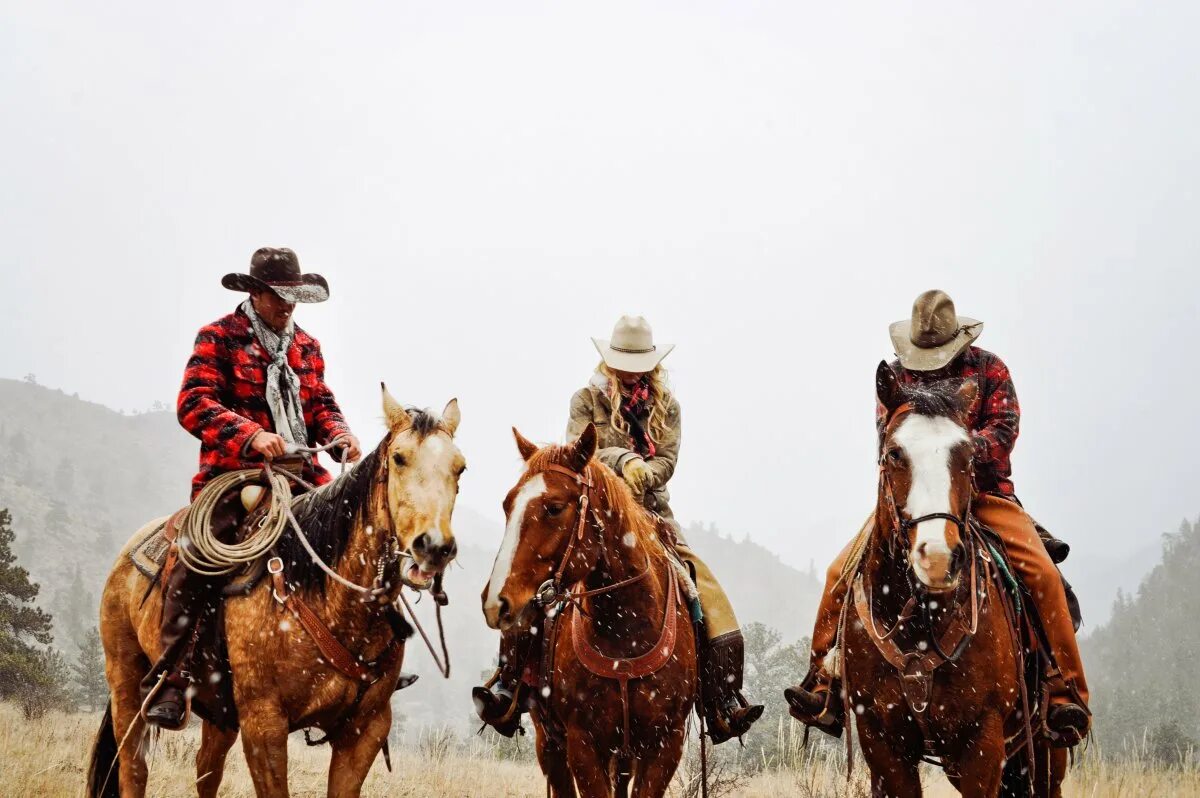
(968, 392)
(451, 416)
(887, 387)
(526, 447)
(394, 414)
(584, 449)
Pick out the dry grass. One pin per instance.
(47, 757)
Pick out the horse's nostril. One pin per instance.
(420, 543)
(450, 550)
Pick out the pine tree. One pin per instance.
(88, 671)
(27, 672)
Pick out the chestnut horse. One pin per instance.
(399, 497)
(619, 673)
(931, 651)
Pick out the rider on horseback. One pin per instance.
(255, 383)
(934, 346)
(637, 420)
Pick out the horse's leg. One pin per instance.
(355, 751)
(210, 759)
(124, 679)
(981, 764)
(894, 772)
(553, 759)
(654, 772)
(1050, 771)
(587, 765)
(264, 742)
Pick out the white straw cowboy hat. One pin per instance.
(934, 335)
(631, 347)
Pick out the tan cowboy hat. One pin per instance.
(279, 270)
(934, 335)
(631, 347)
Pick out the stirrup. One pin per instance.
(817, 708)
(732, 718)
(500, 709)
(170, 710)
(1067, 725)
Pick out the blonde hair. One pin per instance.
(660, 401)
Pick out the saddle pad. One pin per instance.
(150, 551)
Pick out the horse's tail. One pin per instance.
(102, 777)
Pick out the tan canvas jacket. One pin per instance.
(591, 404)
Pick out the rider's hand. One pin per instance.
(637, 474)
(351, 446)
(268, 444)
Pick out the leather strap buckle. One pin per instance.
(275, 565)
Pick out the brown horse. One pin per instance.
(618, 676)
(400, 496)
(931, 653)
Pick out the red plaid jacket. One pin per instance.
(223, 399)
(994, 419)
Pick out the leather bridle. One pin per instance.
(552, 591)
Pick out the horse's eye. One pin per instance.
(895, 455)
(399, 460)
(554, 510)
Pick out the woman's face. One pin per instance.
(628, 379)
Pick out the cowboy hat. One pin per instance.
(631, 347)
(279, 270)
(934, 335)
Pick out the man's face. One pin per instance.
(272, 309)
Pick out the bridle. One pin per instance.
(552, 591)
(900, 525)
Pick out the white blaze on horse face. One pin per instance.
(512, 537)
(927, 442)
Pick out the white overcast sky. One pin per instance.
(487, 184)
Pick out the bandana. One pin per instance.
(634, 408)
(283, 386)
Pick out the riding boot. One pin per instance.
(816, 702)
(501, 703)
(727, 712)
(180, 625)
(187, 599)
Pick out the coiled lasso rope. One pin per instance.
(206, 555)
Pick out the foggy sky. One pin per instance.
(485, 185)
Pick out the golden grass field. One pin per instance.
(47, 757)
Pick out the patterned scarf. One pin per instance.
(634, 408)
(283, 386)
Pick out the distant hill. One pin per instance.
(1144, 663)
(79, 478)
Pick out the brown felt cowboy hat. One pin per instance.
(934, 335)
(279, 270)
(631, 347)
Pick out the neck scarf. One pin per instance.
(283, 386)
(634, 408)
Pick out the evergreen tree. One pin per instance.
(28, 672)
(88, 671)
(73, 609)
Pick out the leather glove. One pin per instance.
(637, 474)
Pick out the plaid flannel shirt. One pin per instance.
(994, 418)
(223, 398)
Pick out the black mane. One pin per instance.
(328, 514)
(934, 398)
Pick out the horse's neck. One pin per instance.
(346, 609)
(629, 618)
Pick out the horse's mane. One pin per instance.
(939, 398)
(631, 516)
(329, 514)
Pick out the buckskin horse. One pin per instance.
(390, 513)
(618, 673)
(939, 663)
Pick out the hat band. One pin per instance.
(625, 351)
(923, 342)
